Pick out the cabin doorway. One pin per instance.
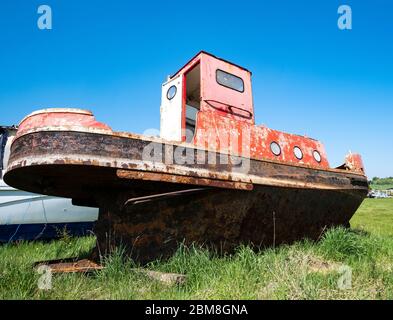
(192, 100)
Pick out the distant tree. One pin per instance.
(382, 181)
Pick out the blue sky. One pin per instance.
(111, 57)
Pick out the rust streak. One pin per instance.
(152, 176)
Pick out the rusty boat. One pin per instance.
(211, 177)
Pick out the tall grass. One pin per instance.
(304, 270)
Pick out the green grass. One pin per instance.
(381, 186)
(304, 270)
(375, 216)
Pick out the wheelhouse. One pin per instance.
(205, 84)
(209, 103)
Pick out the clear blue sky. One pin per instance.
(111, 57)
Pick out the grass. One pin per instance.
(381, 186)
(304, 270)
(375, 216)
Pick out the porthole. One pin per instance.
(170, 94)
(298, 153)
(275, 148)
(317, 156)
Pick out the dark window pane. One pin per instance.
(229, 80)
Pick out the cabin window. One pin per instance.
(298, 153)
(229, 80)
(317, 156)
(170, 94)
(275, 148)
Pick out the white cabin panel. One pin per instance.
(171, 109)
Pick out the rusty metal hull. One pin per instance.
(224, 219)
(270, 203)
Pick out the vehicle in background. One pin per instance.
(29, 216)
(379, 194)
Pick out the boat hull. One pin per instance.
(150, 205)
(224, 219)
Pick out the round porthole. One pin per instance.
(275, 148)
(170, 94)
(317, 156)
(298, 153)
